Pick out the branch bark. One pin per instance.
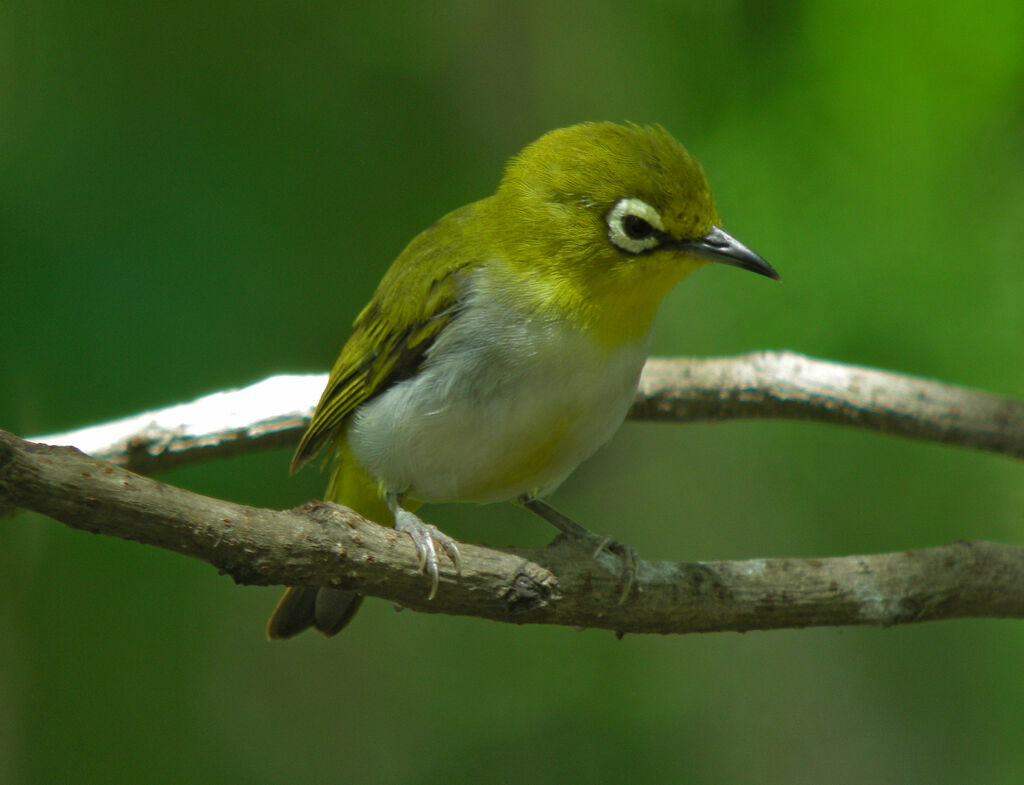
(323, 544)
(275, 412)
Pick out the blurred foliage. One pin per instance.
(196, 195)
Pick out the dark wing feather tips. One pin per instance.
(391, 337)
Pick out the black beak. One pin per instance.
(722, 247)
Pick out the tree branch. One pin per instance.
(788, 385)
(323, 544)
(275, 412)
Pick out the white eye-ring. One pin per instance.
(634, 226)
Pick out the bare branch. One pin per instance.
(788, 385)
(275, 412)
(267, 414)
(323, 544)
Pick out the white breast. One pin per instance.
(505, 404)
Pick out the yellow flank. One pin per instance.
(352, 486)
(525, 460)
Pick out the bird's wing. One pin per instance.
(415, 300)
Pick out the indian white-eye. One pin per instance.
(504, 344)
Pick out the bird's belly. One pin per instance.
(497, 411)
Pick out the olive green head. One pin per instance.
(594, 165)
(619, 213)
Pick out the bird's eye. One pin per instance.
(634, 226)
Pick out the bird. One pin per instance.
(504, 345)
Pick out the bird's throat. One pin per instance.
(615, 308)
(621, 307)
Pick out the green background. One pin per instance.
(195, 196)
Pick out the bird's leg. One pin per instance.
(424, 536)
(570, 528)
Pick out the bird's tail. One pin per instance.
(327, 609)
(302, 607)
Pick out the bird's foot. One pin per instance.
(569, 527)
(428, 539)
(626, 553)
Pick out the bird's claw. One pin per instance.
(627, 554)
(424, 536)
(630, 562)
(574, 531)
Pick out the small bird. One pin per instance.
(504, 345)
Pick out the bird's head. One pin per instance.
(604, 219)
(621, 191)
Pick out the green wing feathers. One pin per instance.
(390, 338)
